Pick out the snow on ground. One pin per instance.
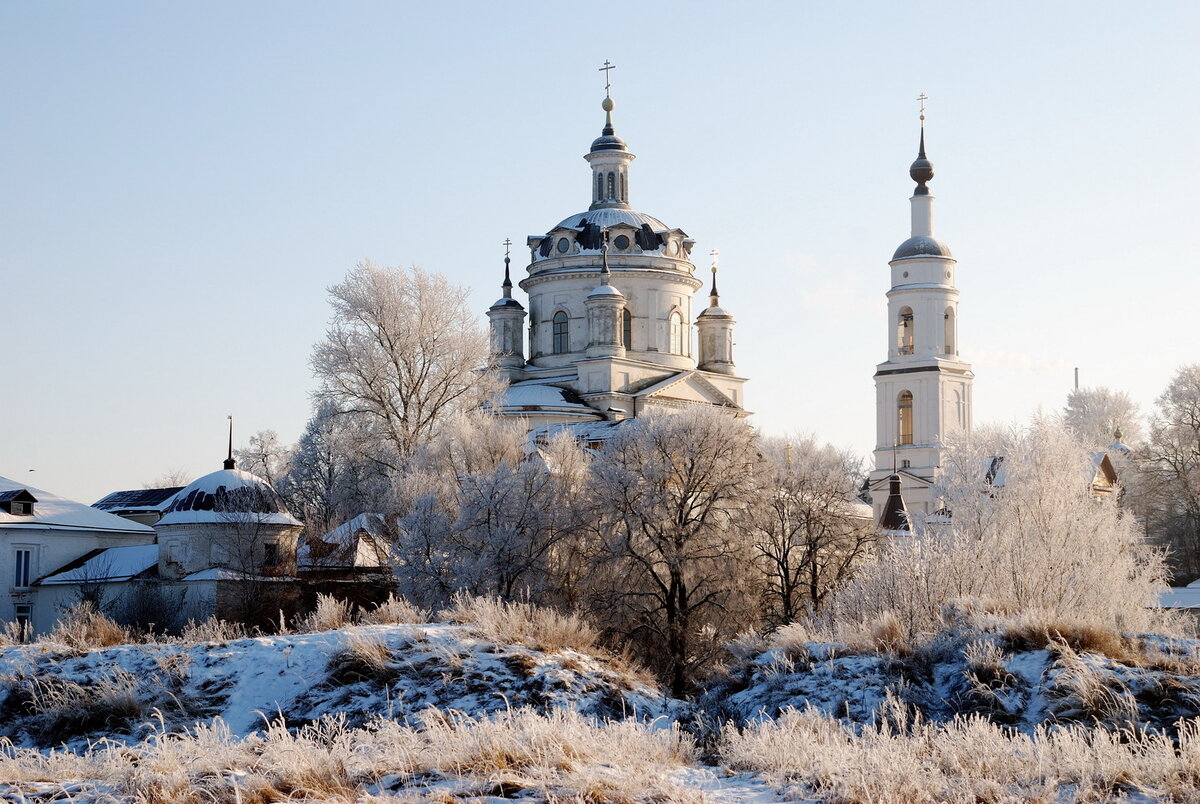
(245, 682)
(1149, 683)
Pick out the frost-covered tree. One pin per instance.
(1095, 414)
(803, 525)
(482, 516)
(327, 479)
(402, 354)
(268, 458)
(1035, 538)
(673, 570)
(1172, 466)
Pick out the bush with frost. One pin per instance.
(1033, 536)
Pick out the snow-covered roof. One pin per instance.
(582, 431)
(227, 495)
(537, 395)
(112, 565)
(359, 542)
(1181, 597)
(52, 512)
(138, 500)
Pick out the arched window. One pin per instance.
(904, 408)
(951, 340)
(627, 329)
(562, 343)
(676, 333)
(904, 331)
(624, 187)
(612, 186)
(599, 187)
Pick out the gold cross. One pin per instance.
(607, 83)
(714, 254)
(922, 98)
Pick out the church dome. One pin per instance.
(228, 495)
(611, 216)
(922, 246)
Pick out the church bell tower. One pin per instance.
(923, 390)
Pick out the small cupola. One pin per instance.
(18, 502)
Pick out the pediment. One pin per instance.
(907, 481)
(687, 386)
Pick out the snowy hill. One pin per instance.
(359, 672)
(1008, 674)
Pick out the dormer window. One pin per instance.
(18, 502)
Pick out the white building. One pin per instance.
(42, 532)
(610, 330)
(923, 391)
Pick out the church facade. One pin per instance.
(923, 391)
(610, 321)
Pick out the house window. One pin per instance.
(24, 557)
(676, 333)
(905, 412)
(270, 554)
(24, 620)
(561, 340)
(627, 329)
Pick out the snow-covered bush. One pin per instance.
(1032, 538)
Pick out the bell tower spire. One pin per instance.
(924, 388)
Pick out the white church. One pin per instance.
(610, 317)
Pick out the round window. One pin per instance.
(672, 247)
(563, 245)
(622, 242)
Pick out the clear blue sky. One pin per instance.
(180, 182)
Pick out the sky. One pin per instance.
(181, 182)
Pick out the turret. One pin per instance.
(506, 320)
(715, 331)
(605, 313)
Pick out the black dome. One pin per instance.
(922, 246)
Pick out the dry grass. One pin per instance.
(395, 611)
(363, 658)
(212, 630)
(61, 709)
(329, 615)
(967, 760)
(557, 757)
(1036, 631)
(82, 627)
(522, 624)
